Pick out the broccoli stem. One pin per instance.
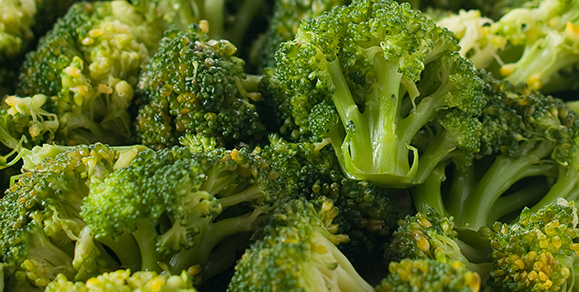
(347, 108)
(243, 19)
(146, 239)
(126, 250)
(428, 194)
(5, 136)
(252, 193)
(211, 236)
(214, 11)
(502, 174)
(463, 183)
(514, 202)
(564, 185)
(442, 145)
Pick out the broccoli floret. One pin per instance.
(296, 251)
(123, 280)
(375, 86)
(22, 21)
(194, 85)
(88, 66)
(367, 214)
(182, 206)
(429, 275)
(428, 235)
(284, 22)
(16, 20)
(538, 252)
(527, 158)
(43, 232)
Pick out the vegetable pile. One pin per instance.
(289, 145)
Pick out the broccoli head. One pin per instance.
(43, 232)
(183, 208)
(194, 85)
(538, 252)
(296, 251)
(88, 66)
(369, 76)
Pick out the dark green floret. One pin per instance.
(194, 85)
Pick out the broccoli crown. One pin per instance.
(420, 236)
(384, 71)
(537, 252)
(195, 85)
(296, 251)
(516, 114)
(88, 65)
(179, 204)
(429, 275)
(123, 280)
(285, 19)
(429, 235)
(44, 233)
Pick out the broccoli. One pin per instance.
(537, 41)
(370, 88)
(284, 22)
(471, 29)
(527, 157)
(227, 19)
(123, 280)
(88, 66)
(296, 251)
(202, 89)
(43, 232)
(21, 21)
(367, 214)
(429, 275)
(429, 235)
(184, 209)
(538, 252)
